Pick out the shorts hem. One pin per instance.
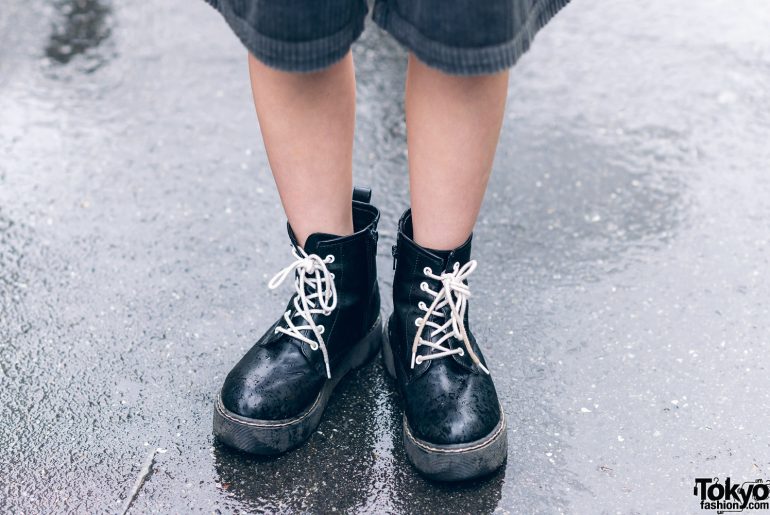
(465, 60)
(294, 56)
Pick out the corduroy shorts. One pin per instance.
(463, 37)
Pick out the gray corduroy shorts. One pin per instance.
(463, 37)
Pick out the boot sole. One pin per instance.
(456, 462)
(272, 437)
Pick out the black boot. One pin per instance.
(274, 397)
(454, 426)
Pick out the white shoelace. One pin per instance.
(316, 294)
(454, 293)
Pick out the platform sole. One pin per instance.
(271, 437)
(457, 462)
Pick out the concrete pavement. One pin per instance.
(622, 294)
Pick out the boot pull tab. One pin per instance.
(362, 194)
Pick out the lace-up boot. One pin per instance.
(454, 426)
(274, 397)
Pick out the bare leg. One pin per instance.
(307, 122)
(453, 124)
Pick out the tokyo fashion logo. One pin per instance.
(731, 497)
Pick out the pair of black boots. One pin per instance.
(454, 427)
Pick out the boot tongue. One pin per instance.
(313, 241)
(461, 254)
(442, 254)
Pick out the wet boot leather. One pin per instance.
(454, 426)
(273, 399)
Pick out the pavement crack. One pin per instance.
(144, 474)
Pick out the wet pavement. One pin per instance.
(622, 294)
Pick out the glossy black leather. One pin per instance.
(447, 400)
(280, 376)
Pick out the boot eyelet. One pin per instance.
(332, 275)
(427, 270)
(321, 330)
(422, 306)
(329, 258)
(424, 286)
(313, 346)
(417, 321)
(461, 353)
(418, 360)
